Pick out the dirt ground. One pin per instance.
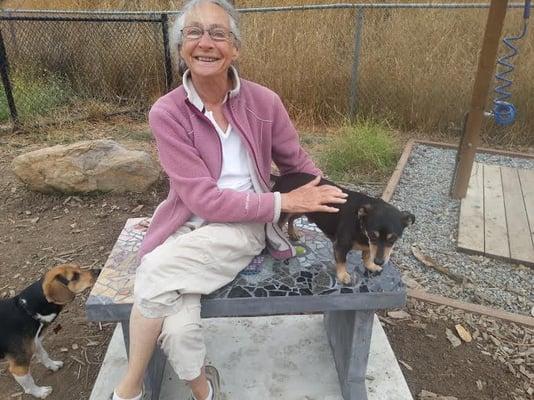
(41, 230)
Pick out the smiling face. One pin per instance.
(205, 57)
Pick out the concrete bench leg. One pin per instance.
(349, 334)
(156, 366)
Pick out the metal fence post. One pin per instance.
(4, 71)
(167, 50)
(353, 102)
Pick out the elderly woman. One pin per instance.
(217, 135)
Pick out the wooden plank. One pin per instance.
(445, 145)
(471, 226)
(519, 236)
(526, 178)
(470, 307)
(495, 232)
(396, 175)
(475, 117)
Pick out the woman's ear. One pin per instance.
(235, 53)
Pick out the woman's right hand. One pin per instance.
(312, 198)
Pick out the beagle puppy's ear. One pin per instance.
(56, 290)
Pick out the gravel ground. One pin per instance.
(424, 191)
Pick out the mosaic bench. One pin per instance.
(303, 284)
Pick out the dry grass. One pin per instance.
(416, 67)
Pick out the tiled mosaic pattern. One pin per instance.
(311, 272)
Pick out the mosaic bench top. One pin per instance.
(305, 283)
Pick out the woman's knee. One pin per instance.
(184, 346)
(182, 332)
(182, 338)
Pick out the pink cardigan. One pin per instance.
(190, 153)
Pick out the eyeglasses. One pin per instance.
(216, 34)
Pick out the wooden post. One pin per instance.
(473, 124)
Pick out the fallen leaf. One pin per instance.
(463, 333)
(429, 262)
(406, 365)
(138, 208)
(480, 385)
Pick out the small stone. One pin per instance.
(74, 346)
(28, 212)
(64, 350)
(455, 341)
(425, 395)
(399, 314)
(480, 385)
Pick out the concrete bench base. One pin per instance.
(302, 284)
(277, 357)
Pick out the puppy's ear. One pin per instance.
(407, 218)
(56, 291)
(364, 210)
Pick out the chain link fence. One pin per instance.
(57, 63)
(410, 64)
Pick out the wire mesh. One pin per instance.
(412, 64)
(56, 64)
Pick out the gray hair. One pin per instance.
(177, 39)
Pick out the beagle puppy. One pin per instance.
(25, 316)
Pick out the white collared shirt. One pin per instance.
(235, 171)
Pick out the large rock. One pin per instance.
(96, 165)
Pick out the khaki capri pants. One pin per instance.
(171, 278)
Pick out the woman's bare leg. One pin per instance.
(144, 333)
(199, 386)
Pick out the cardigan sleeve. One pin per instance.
(191, 179)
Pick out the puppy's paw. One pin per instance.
(41, 392)
(344, 277)
(54, 365)
(373, 267)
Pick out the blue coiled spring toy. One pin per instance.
(504, 112)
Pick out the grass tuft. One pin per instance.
(36, 94)
(363, 150)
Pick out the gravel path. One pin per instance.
(424, 191)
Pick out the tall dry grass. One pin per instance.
(416, 67)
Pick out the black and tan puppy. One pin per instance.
(362, 223)
(25, 316)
